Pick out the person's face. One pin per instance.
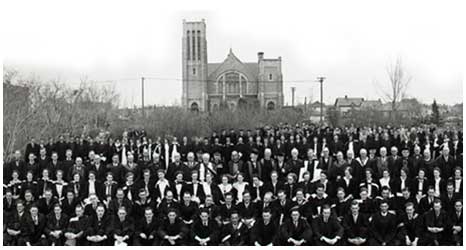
(169, 196)
(437, 207)
(54, 157)
(142, 195)
(340, 194)
(228, 199)
(290, 179)
(115, 159)
(354, 209)
(147, 175)
(326, 213)
(172, 216)
(240, 178)
(384, 207)
(410, 210)
(204, 216)
(161, 175)
(29, 176)
(57, 210)
(48, 195)
(266, 216)
(274, 176)
(28, 196)
(100, 211)
(320, 191)
(436, 173)
(179, 177)
(149, 214)
(458, 206)
(295, 215)
(17, 155)
(120, 194)
(385, 193)
(79, 211)
(177, 158)
(20, 207)
(79, 161)
(121, 214)
(406, 194)
(363, 194)
(34, 211)
(186, 198)
(385, 174)
(234, 218)
(281, 196)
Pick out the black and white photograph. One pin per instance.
(232, 123)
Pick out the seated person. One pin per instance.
(18, 227)
(436, 225)
(74, 233)
(356, 226)
(98, 227)
(295, 231)
(205, 230)
(56, 225)
(327, 229)
(265, 230)
(234, 233)
(411, 226)
(172, 230)
(146, 229)
(122, 228)
(383, 227)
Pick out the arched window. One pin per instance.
(232, 82)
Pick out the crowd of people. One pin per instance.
(275, 185)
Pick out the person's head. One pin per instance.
(295, 214)
(179, 176)
(20, 206)
(246, 196)
(148, 213)
(394, 151)
(459, 205)
(323, 176)
(294, 153)
(177, 157)
(34, 210)
(354, 207)
(445, 151)
(79, 210)
(54, 156)
(383, 151)
(79, 161)
(385, 173)
(363, 193)
(172, 215)
(48, 193)
(348, 171)
(17, 155)
(437, 206)
(431, 191)
(57, 209)
(100, 210)
(169, 195)
(205, 158)
(281, 195)
(341, 193)
(45, 173)
(268, 197)
(161, 174)
(234, 217)
(291, 178)
(120, 194)
(129, 177)
(240, 177)
(406, 193)
(142, 194)
(204, 215)
(363, 153)
(267, 153)
(266, 214)
(349, 154)
(326, 211)
(187, 197)
(383, 206)
(229, 198)
(385, 192)
(409, 208)
(91, 175)
(121, 213)
(320, 189)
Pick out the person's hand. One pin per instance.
(414, 242)
(332, 241)
(384, 243)
(408, 242)
(143, 236)
(151, 237)
(172, 241)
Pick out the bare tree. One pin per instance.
(397, 86)
(33, 108)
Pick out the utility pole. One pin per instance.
(142, 89)
(293, 89)
(321, 80)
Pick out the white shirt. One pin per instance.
(457, 185)
(91, 187)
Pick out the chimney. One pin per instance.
(293, 89)
(260, 55)
(346, 97)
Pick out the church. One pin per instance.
(229, 84)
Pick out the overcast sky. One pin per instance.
(349, 42)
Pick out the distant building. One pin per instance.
(345, 104)
(228, 84)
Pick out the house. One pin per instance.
(344, 104)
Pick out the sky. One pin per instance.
(351, 43)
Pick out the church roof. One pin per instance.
(250, 69)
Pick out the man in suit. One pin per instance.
(18, 227)
(146, 230)
(356, 226)
(234, 233)
(295, 231)
(457, 224)
(327, 229)
(411, 226)
(172, 230)
(265, 230)
(56, 226)
(436, 225)
(98, 227)
(383, 227)
(205, 231)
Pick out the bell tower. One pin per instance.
(194, 65)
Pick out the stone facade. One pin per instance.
(231, 83)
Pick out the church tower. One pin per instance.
(194, 63)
